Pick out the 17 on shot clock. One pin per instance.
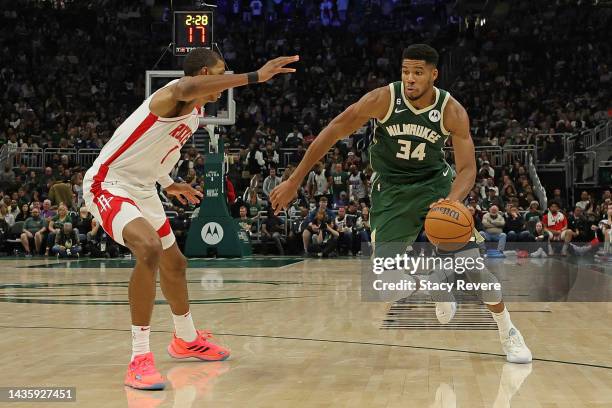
(192, 29)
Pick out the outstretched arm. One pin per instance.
(457, 122)
(374, 104)
(190, 88)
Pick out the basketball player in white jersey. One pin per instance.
(120, 191)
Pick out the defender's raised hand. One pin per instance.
(276, 66)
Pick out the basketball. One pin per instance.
(449, 225)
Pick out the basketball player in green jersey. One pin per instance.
(413, 121)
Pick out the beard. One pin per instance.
(414, 98)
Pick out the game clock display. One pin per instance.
(192, 29)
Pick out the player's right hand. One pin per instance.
(283, 194)
(184, 193)
(276, 66)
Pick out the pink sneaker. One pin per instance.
(142, 374)
(201, 348)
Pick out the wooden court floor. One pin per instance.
(301, 337)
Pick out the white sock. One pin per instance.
(184, 328)
(504, 324)
(140, 340)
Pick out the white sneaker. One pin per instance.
(515, 348)
(445, 311)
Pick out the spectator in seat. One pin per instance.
(584, 200)
(555, 222)
(46, 212)
(582, 228)
(270, 182)
(345, 231)
(557, 197)
(533, 213)
(67, 244)
(508, 189)
(294, 138)
(244, 221)
(6, 215)
(364, 231)
(33, 228)
(604, 232)
(515, 226)
(254, 159)
(487, 167)
(56, 223)
(357, 182)
(317, 185)
(487, 184)
(82, 225)
(541, 237)
(254, 204)
(102, 245)
(324, 237)
(338, 181)
(272, 230)
(24, 214)
(493, 227)
(492, 200)
(308, 232)
(7, 177)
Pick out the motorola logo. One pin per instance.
(212, 233)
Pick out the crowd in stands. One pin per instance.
(346, 49)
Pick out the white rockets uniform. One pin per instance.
(120, 185)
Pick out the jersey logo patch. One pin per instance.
(399, 110)
(399, 101)
(434, 115)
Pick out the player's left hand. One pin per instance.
(441, 200)
(184, 193)
(448, 200)
(275, 67)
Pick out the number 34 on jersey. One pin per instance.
(407, 153)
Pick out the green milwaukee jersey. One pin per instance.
(408, 142)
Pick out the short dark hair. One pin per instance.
(199, 58)
(421, 52)
(553, 202)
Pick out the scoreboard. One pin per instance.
(192, 29)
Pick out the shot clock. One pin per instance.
(192, 29)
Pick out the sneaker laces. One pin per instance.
(205, 335)
(145, 364)
(513, 341)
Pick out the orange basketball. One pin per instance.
(449, 225)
